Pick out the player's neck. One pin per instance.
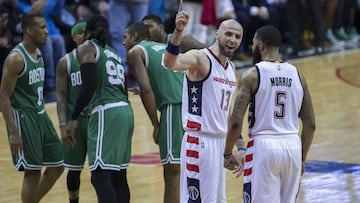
(29, 46)
(270, 55)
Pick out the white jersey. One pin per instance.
(206, 103)
(275, 107)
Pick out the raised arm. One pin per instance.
(13, 66)
(307, 117)
(136, 62)
(194, 61)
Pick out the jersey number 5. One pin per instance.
(280, 102)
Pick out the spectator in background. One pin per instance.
(194, 27)
(158, 7)
(252, 15)
(14, 16)
(121, 14)
(5, 39)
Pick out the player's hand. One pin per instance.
(69, 138)
(16, 144)
(182, 17)
(134, 90)
(156, 134)
(231, 162)
(240, 157)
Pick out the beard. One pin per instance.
(256, 56)
(225, 53)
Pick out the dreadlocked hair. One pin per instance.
(98, 28)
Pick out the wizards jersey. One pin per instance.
(206, 103)
(275, 106)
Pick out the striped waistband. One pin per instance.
(108, 106)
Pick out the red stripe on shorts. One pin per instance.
(193, 140)
(250, 143)
(248, 157)
(193, 125)
(192, 167)
(248, 172)
(192, 153)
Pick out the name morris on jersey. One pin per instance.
(280, 81)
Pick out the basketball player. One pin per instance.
(33, 140)
(160, 89)
(68, 82)
(158, 34)
(277, 94)
(207, 92)
(103, 90)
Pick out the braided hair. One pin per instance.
(97, 28)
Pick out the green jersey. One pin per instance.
(74, 82)
(110, 82)
(28, 92)
(166, 84)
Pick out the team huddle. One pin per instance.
(193, 90)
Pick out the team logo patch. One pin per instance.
(247, 193)
(193, 190)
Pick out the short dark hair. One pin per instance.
(154, 18)
(269, 35)
(28, 20)
(98, 28)
(141, 29)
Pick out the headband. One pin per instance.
(77, 27)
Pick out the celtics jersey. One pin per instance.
(74, 81)
(110, 81)
(165, 83)
(28, 92)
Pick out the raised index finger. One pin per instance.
(180, 5)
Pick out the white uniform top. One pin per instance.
(275, 107)
(206, 103)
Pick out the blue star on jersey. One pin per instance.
(195, 97)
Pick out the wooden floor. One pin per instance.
(333, 171)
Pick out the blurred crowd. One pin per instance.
(307, 26)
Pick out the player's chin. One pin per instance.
(229, 53)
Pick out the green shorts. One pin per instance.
(171, 134)
(74, 158)
(110, 133)
(41, 144)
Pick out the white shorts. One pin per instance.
(202, 176)
(272, 169)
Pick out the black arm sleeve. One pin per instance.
(88, 77)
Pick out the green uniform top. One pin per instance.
(74, 82)
(165, 83)
(110, 81)
(28, 92)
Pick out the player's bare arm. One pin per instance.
(136, 62)
(188, 42)
(13, 66)
(245, 89)
(86, 53)
(307, 117)
(191, 61)
(62, 78)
